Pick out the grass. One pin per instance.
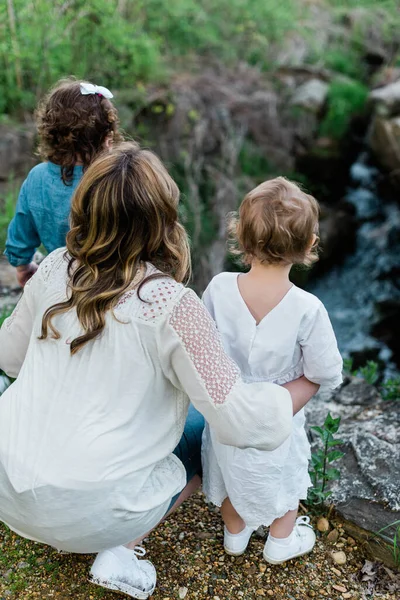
(126, 44)
(7, 209)
(346, 97)
(4, 314)
(392, 543)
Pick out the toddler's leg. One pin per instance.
(236, 535)
(233, 521)
(283, 527)
(288, 538)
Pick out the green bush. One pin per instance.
(122, 43)
(51, 39)
(7, 208)
(345, 98)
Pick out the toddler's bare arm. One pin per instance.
(301, 390)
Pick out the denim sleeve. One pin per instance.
(22, 236)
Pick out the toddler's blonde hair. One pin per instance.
(276, 224)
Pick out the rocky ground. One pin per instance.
(187, 550)
(367, 494)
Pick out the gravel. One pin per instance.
(191, 564)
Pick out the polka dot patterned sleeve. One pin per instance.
(255, 415)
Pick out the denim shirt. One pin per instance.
(42, 213)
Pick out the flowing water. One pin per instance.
(352, 290)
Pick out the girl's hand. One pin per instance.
(25, 272)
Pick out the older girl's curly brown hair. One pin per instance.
(72, 127)
(277, 223)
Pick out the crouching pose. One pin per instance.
(109, 347)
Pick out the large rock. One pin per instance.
(16, 150)
(9, 288)
(311, 95)
(386, 99)
(368, 492)
(225, 131)
(384, 141)
(338, 229)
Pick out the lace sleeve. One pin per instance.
(193, 358)
(193, 325)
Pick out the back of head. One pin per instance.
(124, 213)
(277, 224)
(73, 127)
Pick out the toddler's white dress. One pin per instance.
(294, 339)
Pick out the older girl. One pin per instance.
(75, 122)
(109, 347)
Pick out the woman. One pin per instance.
(109, 347)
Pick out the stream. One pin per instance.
(352, 291)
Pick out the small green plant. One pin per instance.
(4, 313)
(370, 372)
(393, 543)
(390, 389)
(348, 366)
(321, 472)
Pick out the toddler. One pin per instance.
(279, 333)
(75, 122)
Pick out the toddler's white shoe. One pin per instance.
(302, 541)
(236, 543)
(120, 570)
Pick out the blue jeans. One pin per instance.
(189, 448)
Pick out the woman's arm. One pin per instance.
(16, 331)
(301, 391)
(257, 415)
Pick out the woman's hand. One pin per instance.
(301, 390)
(25, 272)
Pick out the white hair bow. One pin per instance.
(90, 88)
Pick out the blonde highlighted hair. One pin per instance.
(124, 213)
(276, 224)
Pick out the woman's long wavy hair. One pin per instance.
(124, 213)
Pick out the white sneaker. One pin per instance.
(302, 542)
(236, 543)
(119, 569)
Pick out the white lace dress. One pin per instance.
(86, 441)
(296, 338)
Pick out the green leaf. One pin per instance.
(331, 424)
(370, 372)
(317, 463)
(326, 436)
(334, 455)
(319, 430)
(332, 474)
(335, 442)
